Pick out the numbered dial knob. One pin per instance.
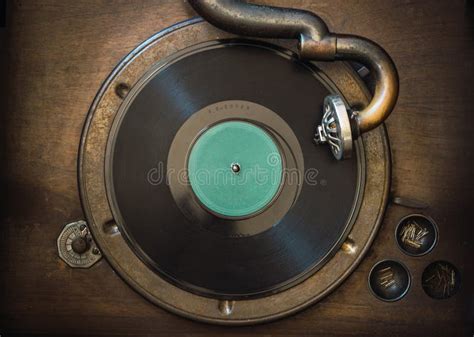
(76, 246)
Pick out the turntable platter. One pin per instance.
(260, 250)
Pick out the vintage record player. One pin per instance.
(234, 168)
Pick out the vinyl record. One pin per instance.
(278, 100)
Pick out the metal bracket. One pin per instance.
(335, 128)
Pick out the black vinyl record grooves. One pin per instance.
(184, 251)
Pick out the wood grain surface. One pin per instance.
(56, 53)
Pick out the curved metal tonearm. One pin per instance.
(315, 42)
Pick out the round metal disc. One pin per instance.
(129, 252)
(178, 246)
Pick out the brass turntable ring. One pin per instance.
(151, 285)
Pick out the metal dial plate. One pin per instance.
(76, 246)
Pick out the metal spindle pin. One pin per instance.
(235, 167)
